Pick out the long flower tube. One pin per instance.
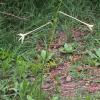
(22, 36)
(88, 25)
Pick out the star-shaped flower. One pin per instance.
(90, 26)
(22, 36)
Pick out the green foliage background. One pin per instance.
(38, 12)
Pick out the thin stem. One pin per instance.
(9, 14)
(55, 22)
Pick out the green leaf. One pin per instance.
(92, 55)
(55, 98)
(29, 97)
(43, 54)
(68, 48)
(49, 56)
(62, 50)
(98, 52)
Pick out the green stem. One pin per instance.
(55, 20)
(41, 80)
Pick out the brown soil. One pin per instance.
(59, 79)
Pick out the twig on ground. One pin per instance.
(9, 14)
(1, 3)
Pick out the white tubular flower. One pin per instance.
(88, 25)
(23, 35)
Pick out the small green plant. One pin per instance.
(77, 72)
(45, 56)
(40, 66)
(23, 89)
(21, 67)
(68, 48)
(6, 58)
(94, 57)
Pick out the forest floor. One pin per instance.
(53, 74)
(69, 78)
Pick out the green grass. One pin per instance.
(19, 62)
